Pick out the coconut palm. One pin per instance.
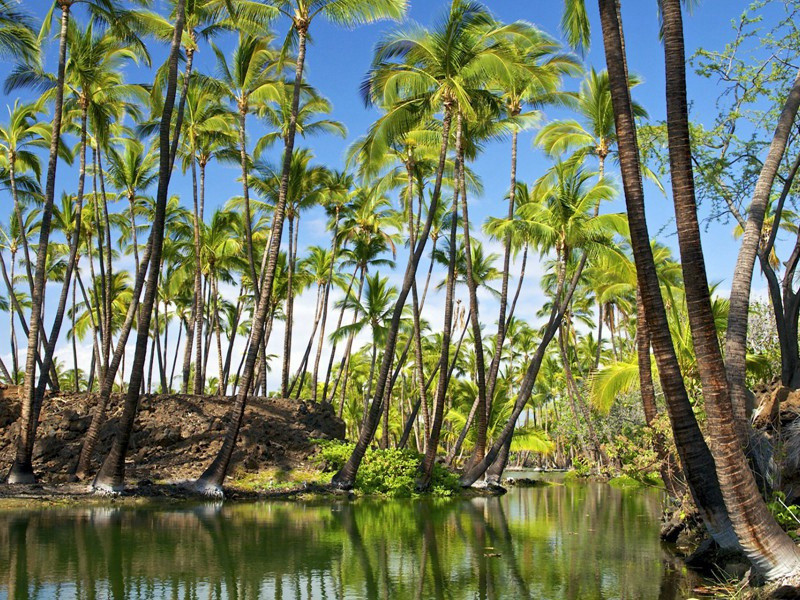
(112, 472)
(108, 11)
(301, 13)
(767, 546)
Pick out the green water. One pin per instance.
(563, 541)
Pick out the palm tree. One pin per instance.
(301, 13)
(416, 74)
(372, 311)
(306, 184)
(698, 464)
(110, 478)
(250, 80)
(767, 546)
(535, 85)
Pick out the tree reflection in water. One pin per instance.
(562, 541)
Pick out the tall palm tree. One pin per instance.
(306, 184)
(535, 85)
(417, 74)
(697, 461)
(301, 13)
(767, 546)
(111, 476)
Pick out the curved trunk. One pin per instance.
(736, 334)
(346, 476)
(111, 476)
(698, 464)
(771, 551)
(211, 480)
(22, 470)
(300, 376)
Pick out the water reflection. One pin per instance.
(573, 541)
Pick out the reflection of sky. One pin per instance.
(581, 541)
(337, 62)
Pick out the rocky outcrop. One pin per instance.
(175, 436)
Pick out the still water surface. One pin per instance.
(578, 541)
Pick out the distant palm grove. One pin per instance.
(556, 333)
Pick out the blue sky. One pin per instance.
(338, 60)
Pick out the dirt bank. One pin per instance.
(175, 435)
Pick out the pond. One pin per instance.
(570, 541)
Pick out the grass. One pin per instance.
(276, 479)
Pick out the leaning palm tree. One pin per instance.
(697, 461)
(111, 477)
(767, 546)
(108, 11)
(301, 13)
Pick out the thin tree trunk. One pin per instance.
(111, 476)
(287, 335)
(22, 469)
(326, 296)
(212, 478)
(345, 478)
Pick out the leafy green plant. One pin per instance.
(390, 472)
(787, 515)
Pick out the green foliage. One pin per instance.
(390, 472)
(787, 515)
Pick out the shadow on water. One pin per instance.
(587, 541)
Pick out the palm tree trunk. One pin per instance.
(229, 356)
(770, 550)
(526, 387)
(111, 476)
(300, 376)
(345, 478)
(736, 334)
(332, 356)
(344, 370)
(484, 400)
(218, 332)
(248, 215)
(287, 335)
(22, 469)
(698, 464)
(326, 296)
(23, 233)
(494, 367)
(211, 479)
(432, 444)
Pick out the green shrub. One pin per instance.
(787, 516)
(389, 472)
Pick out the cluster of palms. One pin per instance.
(459, 387)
